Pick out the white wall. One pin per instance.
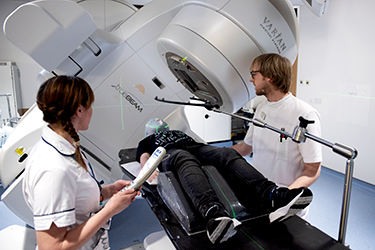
(8, 52)
(336, 57)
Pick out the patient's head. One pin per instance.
(155, 125)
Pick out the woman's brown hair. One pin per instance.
(59, 98)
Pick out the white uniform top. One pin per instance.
(282, 162)
(56, 188)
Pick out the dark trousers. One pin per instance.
(245, 180)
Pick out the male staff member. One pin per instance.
(281, 160)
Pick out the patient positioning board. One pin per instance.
(186, 228)
(182, 208)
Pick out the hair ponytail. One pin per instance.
(68, 127)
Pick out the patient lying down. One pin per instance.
(185, 158)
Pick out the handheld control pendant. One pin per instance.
(147, 170)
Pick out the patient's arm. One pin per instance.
(143, 159)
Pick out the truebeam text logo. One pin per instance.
(132, 100)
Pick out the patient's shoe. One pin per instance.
(287, 202)
(221, 227)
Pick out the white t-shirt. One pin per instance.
(56, 188)
(282, 162)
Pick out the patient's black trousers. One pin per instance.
(245, 180)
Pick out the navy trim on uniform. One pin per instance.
(71, 155)
(92, 174)
(55, 213)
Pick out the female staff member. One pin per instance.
(60, 186)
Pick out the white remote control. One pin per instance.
(147, 170)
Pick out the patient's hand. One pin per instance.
(153, 176)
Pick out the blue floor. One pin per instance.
(325, 210)
(136, 222)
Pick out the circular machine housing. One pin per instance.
(210, 51)
(193, 79)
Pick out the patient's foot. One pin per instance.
(220, 227)
(287, 202)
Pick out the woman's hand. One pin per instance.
(121, 200)
(109, 190)
(118, 185)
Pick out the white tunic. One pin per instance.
(56, 188)
(282, 161)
